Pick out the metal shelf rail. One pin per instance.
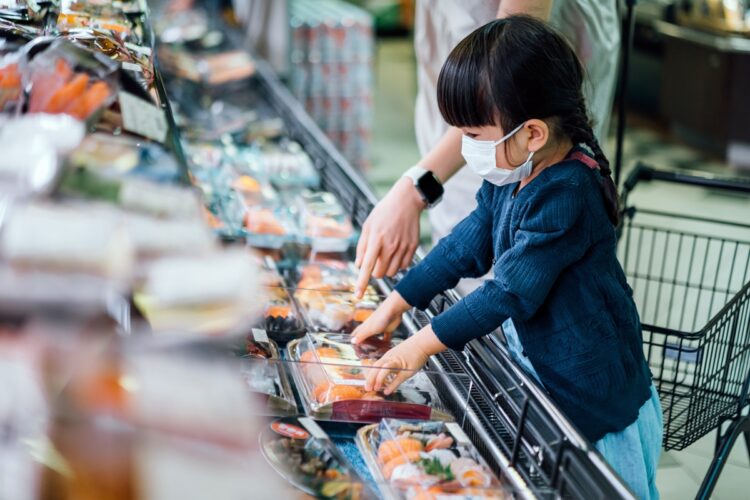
(517, 429)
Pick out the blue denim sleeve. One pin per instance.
(464, 253)
(553, 234)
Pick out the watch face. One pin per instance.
(430, 187)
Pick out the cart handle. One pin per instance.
(644, 172)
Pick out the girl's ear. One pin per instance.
(537, 133)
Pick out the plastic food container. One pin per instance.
(264, 373)
(330, 378)
(289, 167)
(268, 226)
(303, 454)
(412, 459)
(281, 317)
(336, 311)
(325, 226)
(328, 275)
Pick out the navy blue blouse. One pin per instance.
(553, 252)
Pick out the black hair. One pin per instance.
(515, 69)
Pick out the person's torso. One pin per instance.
(585, 340)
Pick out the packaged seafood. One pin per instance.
(426, 460)
(264, 373)
(268, 226)
(328, 275)
(288, 166)
(330, 377)
(336, 311)
(300, 451)
(325, 226)
(60, 84)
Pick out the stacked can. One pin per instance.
(332, 49)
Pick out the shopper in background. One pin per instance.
(545, 225)
(390, 235)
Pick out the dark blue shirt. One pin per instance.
(553, 252)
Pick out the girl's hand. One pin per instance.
(385, 319)
(401, 362)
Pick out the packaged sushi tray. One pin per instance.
(325, 293)
(426, 460)
(303, 454)
(330, 376)
(264, 373)
(324, 224)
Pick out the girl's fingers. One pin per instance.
(381, 375)
(401, 377)
(372, 373)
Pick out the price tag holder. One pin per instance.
(142, 118)
(458, 433)
(313, 428)
(131, 67)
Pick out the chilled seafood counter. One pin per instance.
(177, 290)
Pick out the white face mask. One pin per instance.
(480, 157)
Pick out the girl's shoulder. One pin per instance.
(573, 172)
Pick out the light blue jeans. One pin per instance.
(633, 452)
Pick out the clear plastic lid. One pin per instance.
(325, 225)
(303, 454)
(264, 374)
(328, 275)
(426, 460)
(336, 311)
(330, 378)
(268, 226)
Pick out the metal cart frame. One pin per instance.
(692, 288)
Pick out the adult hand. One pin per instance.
(385, 319)
(390, 235)
(401, 362)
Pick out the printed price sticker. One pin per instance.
(260, 335)
(457, 433)
(131, 67)
(142, 117)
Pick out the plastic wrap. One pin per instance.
(325, 226)
(265, 375)
(412, 459)
(331, 375)
(306, 457)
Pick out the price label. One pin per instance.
(312, 427)
(138, 49)
(260, 335)
(131, 67)
(458, 433)
(142, 117)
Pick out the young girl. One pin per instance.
(545, 224)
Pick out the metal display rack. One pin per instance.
(513, 423)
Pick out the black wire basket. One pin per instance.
(693, 293)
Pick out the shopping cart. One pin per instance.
(691, 282)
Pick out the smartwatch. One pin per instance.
(428, 185)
